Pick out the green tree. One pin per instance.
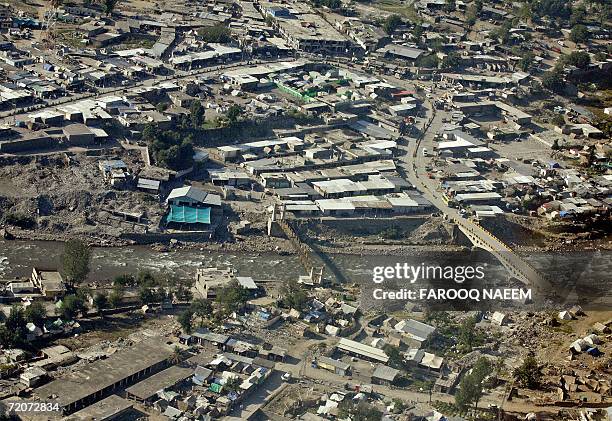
(451, 61)
(294, 296)
(216, 34)
(36, 313)
(232, 297)
(72, 306)
(202, 309)
(232, 384)
(147, 295)
(16, 323)
(391, 23)
(526, 61)
(100, 302)
(579, 14)
(466, 336)
(580, 34)
(580, 59)
(116, 296)
(361, 411)
(75, 261)
(553, 80)
(528, 374)
(429, 62)
(176, 356)
(109, 6)
(185, 320)
(197, 114)
(559, 121)
(395, 357)
(233, 113)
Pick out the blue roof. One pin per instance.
(189, 215)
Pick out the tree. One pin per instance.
(469, 392)
(147, 295)
(184, 318)
(294, 296)
(579, 14)
(100, 301)
(580, 34)
(72, 305)
(553, 80)
(109, 6)
(233, 113)
(197, 114)
(580, 59)
(559, 121)
(183, 293)
(391, 23)
(75, 261)
(526, 61)
(217, 34)
(36, 313)
(361, 411)
(16, 323)
(451, 61)
(466, 336)
(395, 357)
(528, 374)
(430, 61)
(115, 297)
(176, 356)
(232, 384)
(232, 297)
(201, 308)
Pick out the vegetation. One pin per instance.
(361, 411)
(580, 34)
(293, 295)
(13, 331)
(391, 23)
(528, 374)
(332, 4)
(526, 61)
(553, 80)
(430, 61)
(451, 61)
(233, 113)
(170, 148)
(472, 385)
(468, 337)
(109, 6)
(72, 306)
(232, 297)
(75, 261)
(20, 220)
(100, 301)
(185, 320)
(218, 34)
(580, 59)
(35, 313)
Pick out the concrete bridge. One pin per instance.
(517, 267)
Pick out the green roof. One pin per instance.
(215, 387)
(189, 215)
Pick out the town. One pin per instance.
(199, 201)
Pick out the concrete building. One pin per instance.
(94, 381)
(50, 282)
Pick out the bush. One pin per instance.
(20, 220)
(217, 33)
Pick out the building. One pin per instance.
(384, 374)
(191, 207)
(50, 282)
(415, 330)
(361, 350)
(147, 389)
(210, 280)
(94, 381)
(108, 409)
(79, 134)
(335, 366)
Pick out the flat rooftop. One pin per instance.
(106, 409)
(162, 380)
(101, 374)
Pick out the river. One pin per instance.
(586, 273)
